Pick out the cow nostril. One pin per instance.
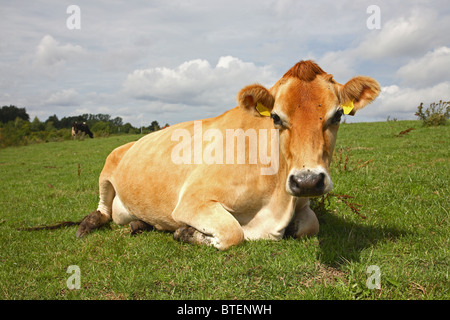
(320, 185)
(294, 183)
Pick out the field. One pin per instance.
(398, 182)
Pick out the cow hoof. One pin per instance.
(139, 226)
(184, 234)
(92, 221)
(191, 235)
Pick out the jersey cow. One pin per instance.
(213, 181)
(81, 127)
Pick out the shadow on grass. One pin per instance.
(342, 241)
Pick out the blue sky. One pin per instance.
(173, 61)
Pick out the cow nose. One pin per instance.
(307, 184)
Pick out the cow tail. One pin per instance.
(51, 227)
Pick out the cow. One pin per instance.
(83, 127)
(144, 183)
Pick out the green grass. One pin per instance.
(401, 184)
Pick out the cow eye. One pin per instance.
(337, 117)
(276, 119)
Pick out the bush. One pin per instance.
(436, 115)
(102, 129)
(22, 133)
(17, 130)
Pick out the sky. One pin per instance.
(174, 61)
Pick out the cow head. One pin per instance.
(306, 105)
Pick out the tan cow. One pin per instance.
(179, 181)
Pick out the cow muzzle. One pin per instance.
(309, 183)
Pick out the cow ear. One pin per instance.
(256, 99)
(358, 93)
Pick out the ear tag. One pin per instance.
(262, 110)
(348, 107)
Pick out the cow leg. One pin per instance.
(138, 226)
(102, 216)
(304, 223)
(92, 221)
(108, 197)
(121, 216)
(207, 224)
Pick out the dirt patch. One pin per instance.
(326, 276)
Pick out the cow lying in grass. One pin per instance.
(187, 179)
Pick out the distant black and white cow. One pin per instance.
(81, 127)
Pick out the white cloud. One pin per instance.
(431, 69)
(402, 102)
(196, 82)
(127, 57)
(67, 97)
(50, 54)
(339, 63)
(403, 36)
(409, 56)
(425, 79)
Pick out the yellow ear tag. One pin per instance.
(262, 110)
(348, 107)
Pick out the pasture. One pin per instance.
(398, 182)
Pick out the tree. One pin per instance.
(126, 127)
(55, 121)
(100, 117)
(12, 112)
(49, 127)
(154, 126)
(37, 125)
(102, 128)
(117, 121)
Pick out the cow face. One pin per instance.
(306, 105)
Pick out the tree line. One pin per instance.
(17, 129)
